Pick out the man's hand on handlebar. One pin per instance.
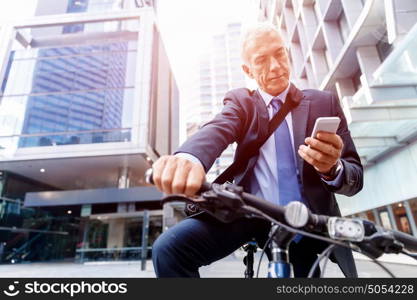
(177, 175)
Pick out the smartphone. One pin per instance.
(327, 124)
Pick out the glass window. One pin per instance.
(97, 234)
(400, 66)
(78, 6)
(57, 95)
(42, 234)
(356, 79)
(370, 216)
(343, 26)
(383, 47)
(401, 218)
(384, 217)
(328, 57)
(155, 229)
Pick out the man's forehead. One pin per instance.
(260, 45)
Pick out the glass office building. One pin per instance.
(87, 101)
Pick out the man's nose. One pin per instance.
(274, 64)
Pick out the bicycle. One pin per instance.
(227, 202)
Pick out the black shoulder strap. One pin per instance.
(294, 97)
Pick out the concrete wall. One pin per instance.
(405, 15)
(115, 237)
(51, 7)
(165, 98)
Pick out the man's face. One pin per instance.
(267, 63)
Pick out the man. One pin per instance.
(290, 165)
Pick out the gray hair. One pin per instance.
(254, 32)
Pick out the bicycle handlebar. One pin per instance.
(294, 215)
(297, 215)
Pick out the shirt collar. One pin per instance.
(268, 98)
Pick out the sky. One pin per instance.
(187, 28)
(188, 25)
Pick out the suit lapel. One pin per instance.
(264, 115)
(262, 120)
(299, 123)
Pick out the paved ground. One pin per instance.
(230, 266)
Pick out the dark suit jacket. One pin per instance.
(244, 119)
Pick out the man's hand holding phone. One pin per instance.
(324, 146)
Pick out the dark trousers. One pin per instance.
(200, 240)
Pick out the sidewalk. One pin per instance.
(389, 258)
(77, 270)
(231, 266)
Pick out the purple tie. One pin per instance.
(288, 184)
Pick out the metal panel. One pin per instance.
(392, 217)
(65, 19)
(81, 197)
(390, 180)
(145, 236)
(410, 218)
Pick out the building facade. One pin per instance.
(87, 102)
(364, 51)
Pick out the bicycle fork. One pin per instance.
(280, 266)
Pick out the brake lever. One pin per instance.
(223, 201)
(379, 243)
(225, 195)
(219, 203)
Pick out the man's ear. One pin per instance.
(247, 71)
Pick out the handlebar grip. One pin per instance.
(409, 241)
(149, 179)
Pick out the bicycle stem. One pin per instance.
(280, 266)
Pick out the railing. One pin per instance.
(400, 67)
(110, 254)
(21, 237)
(21, 250)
